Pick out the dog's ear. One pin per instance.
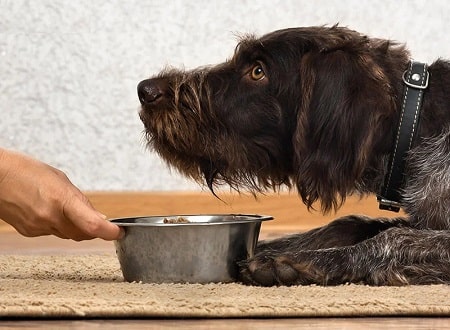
(344, 97)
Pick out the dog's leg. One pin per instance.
(395, 256)
(344, 231)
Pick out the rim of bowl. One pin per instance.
(245, 218)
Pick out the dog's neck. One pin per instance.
(415, 80)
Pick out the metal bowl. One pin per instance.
(186, 248)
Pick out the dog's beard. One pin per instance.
(213, 160)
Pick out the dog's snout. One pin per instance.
(149, 91)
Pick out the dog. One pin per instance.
(316, 109)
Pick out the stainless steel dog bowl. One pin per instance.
(188, 249)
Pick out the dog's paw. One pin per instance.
(269, 270)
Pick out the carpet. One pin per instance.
(91, 286)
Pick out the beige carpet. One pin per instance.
(92, 286)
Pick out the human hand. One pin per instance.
(37, 199)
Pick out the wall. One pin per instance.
(69, 69)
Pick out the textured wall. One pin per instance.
(69, 69)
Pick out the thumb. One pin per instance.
(90, 221)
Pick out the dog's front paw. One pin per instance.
(270, 270)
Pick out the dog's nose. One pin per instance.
(149, 91)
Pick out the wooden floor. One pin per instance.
(290, 216)
(244, 324)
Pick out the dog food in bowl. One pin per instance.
(176, 220)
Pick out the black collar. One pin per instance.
(415, 79)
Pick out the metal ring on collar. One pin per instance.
(424, 86)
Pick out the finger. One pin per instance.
(68, 230)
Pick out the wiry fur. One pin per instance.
(427, 191)
(322, 119)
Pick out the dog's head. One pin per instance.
(297, 107)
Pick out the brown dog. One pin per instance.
(316, 108)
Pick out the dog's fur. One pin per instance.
(318, 109)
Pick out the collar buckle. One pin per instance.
(385, 204)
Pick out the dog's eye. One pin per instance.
(257, 72)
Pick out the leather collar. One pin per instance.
(415, 80)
